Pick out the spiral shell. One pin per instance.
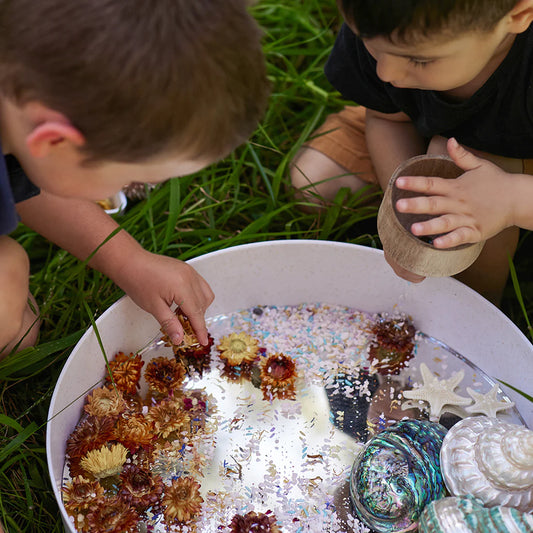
(490, 460)
(467, 515)
(397, 474)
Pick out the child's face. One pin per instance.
(439, 64)
(102, 180)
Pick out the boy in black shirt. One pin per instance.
(431, 75)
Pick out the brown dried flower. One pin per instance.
(134, 431)
(139, 488)
(126, 370)
(392, 346)
(105, 461)
(278, 374)
(238, 348)
(164, 375)
(80, 493)
(190, 352)
(105, 402)
(90, 434)
(182, 500)
(168, 417)
(254, 522)
(116, 516)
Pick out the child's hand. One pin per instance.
(154, 282)
(469, 209)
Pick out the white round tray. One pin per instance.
(291, 272)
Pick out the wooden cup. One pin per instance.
(417, 254)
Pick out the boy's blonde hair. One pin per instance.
(138, 77)
(409, 20)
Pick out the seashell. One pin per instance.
(467, 515)
(397, 474)
(490, 460)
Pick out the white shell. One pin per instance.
(490, 460)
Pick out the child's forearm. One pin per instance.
(391, 139)
(79, 226)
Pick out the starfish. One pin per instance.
(437, 392)
(488, 404)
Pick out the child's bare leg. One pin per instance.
(488, 274)
(318, 178)
(17, 319)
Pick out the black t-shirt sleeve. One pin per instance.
(352, 71)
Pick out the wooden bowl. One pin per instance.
(417, 254)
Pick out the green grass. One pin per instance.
(242, 199)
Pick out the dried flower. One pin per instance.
(139, 488)
(116, 516)
(164, 375)
(392, 346)
(105, 402)
(182, 500)
(168, 417)
(90, 434)
(238, 348)
(80, 493)
(278, 374)
(105, 461)
(190, 352)
(254, 522)
(126, 371)
(134, 431)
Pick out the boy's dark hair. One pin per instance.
(139, 77)
(407, 20)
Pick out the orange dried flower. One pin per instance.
(392, 346)
(134, 431)
(168, 417)
(182, 500)
(139, 488)
(278, 374)
(254, 522)
(80, 494)
(126, 370)
(105, 402)
(116, 516)
(164, 375)
(90, 434)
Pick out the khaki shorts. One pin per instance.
(342, 138)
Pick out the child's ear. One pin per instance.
(50, 129)
(521, 16)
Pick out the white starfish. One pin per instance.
(488, 404)
(437, 392)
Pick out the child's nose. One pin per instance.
(388, 69)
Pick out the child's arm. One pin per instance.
(478, 205)
(153, 281)
(391, 139)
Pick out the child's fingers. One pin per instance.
(461, 157)
(169, 322)
(197, 320)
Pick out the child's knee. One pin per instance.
(14, 275)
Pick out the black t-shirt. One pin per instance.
(497, 119)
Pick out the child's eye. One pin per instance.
(420, 62)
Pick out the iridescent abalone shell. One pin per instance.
(467, 515)
(397, 474)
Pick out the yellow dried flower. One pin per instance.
(238, 348)
(105, 461)
(105, 402)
